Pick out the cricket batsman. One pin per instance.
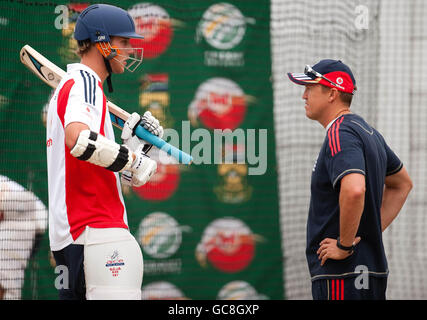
(88, 228)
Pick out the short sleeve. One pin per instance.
(80, 108)
(344, 154)
(394, 164)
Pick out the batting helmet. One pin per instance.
(100, 21)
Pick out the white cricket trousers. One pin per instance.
(113, 264)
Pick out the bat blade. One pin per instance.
(48, 72)
(51, 74)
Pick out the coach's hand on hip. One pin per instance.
(329, 250)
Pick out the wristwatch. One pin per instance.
(350, 249)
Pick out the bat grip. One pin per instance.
(181, 156)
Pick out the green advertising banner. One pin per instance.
(209, 230)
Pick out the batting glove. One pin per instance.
(149, 122)
(141, 171)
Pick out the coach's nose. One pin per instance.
(305, 95)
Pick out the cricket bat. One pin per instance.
(51, 74)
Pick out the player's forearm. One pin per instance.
(351, 208)
(393, 201)
(72, 132)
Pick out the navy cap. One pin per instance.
(334, 70)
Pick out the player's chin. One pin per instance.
(118, 69)
(118, 66)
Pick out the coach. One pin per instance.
(358, 187)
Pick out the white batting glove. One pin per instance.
(142, 169)
(149, 122)
(128, 131)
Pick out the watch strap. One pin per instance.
(346, 248)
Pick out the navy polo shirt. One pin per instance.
(350, 146)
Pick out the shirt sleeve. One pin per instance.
(344, 154)
(394, 164)
(80, 108)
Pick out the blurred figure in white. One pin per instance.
(23, 221)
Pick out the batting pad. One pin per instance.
(113, 264)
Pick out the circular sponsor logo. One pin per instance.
(161, 290)
(223, 26)
(239, 290)
(159, 235)
(219, 103)
(152, 22)
(340, 80)
(228, 244)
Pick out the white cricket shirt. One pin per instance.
(80, 193)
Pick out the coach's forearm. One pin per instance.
(393, 201)
(396, 191)
(352, 202)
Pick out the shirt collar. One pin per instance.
(331, 123)
(79, 66)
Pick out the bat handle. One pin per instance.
(181, 156)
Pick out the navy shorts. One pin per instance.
(71, 257)
(349, 289)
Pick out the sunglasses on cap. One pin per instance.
(309, 71)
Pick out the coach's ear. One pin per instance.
(333, 95)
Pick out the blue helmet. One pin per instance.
(100, 21)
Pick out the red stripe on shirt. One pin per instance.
(333, 290)
(342, 289)
(333, 134)
(330, 143)
(337, 133)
